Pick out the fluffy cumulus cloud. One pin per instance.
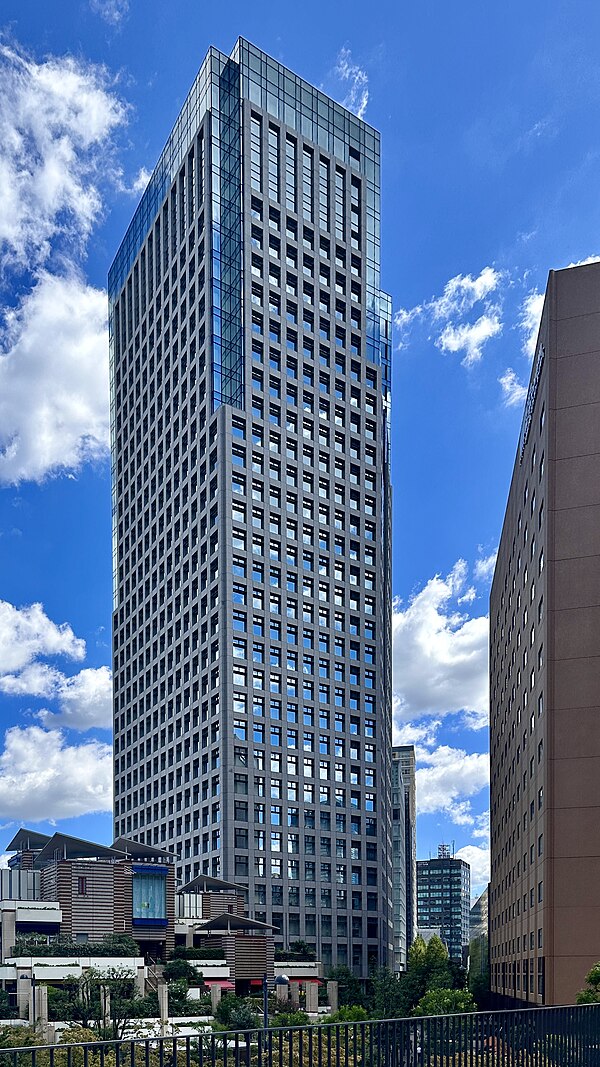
(478, 858)
(447, 779)
(42, 777)
(469, 308)
(440, 653)
(354, 81)
(28, 633)
(485, 566)
(28, 640)
(56, 122)
(54, 412)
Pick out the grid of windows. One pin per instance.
(518, 727)
(252, 555)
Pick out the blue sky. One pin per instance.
(489, 120)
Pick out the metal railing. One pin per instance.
(534, 1037)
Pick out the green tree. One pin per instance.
(385, 1000)
(591, 993)
(445, 1002)
(350, 990)
(235, 1013)
(177, 969)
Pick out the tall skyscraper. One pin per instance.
(545, 667)
(250, 370)
(444, 900)
(405, 859)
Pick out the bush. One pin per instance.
(182, 969)
(290, 1018)
(235, 1013)
(182, 953)
(111, 945)
(445, 1002)
(347, 1014)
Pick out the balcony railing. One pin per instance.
(536, 1037)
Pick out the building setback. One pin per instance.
(250, 377)
(443, 900)
(404, 852)
(545, 667)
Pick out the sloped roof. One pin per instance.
(25, 839)
(203, 883)
(228, 922)
(74, 848)
(139, 850)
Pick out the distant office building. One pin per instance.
(404, 768)
(443, 900)
(250, 375)
(545, 667)
(478, 918)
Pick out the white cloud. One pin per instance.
(484, 567)
(27, 638)
(42, 777)
(462, 292)
(85, 701)
(440, 654)
(459, 297)
(513, 391)
(56, 121)
(140, 181)
(447, 779)
(529, 321)
(584, 262)
(54, 412)
(28, 633)
(470, 337)
(112, 11)
(355, 80)
(479, 861)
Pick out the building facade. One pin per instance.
(250, 376)
(545, 667)
(444, 900)
(404, 852)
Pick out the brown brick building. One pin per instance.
(545, 668)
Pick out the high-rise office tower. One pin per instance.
(444, 900)
(545, 667)
(404, 776)
(250, 366)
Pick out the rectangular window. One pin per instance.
(149, 897)
(255, 153)
(273, 163)
(323, 194)
(290, 174)
(307, 183)
(340, 203)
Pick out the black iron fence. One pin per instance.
(535, 1037)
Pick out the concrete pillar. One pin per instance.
(41, 1009)
(9, 935)
(163, 1006)
(311, 990)
(332, 995)
(140, 980)
(282, 991)
(23, 994)
(215, 996)
(189, 937)
(105, 1005)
